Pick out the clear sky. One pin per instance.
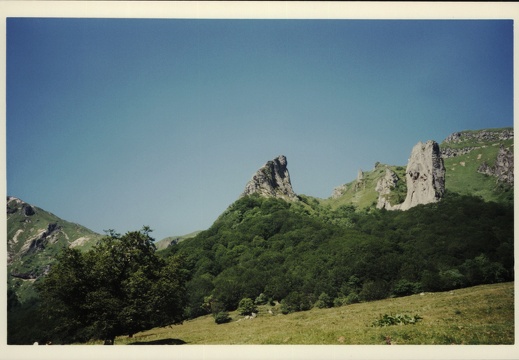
(116, 124)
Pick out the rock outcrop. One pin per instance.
(272, 180)
(339, 191)
(475, 140)
(480, 136)
(359, 183)
(425, 175)
(384, 187)
(425, 178)
(503, 168)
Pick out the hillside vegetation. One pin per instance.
(470, 316)
(287, 253)
(34, 239)
(462, 174)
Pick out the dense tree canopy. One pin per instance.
(303, 253)
(119, 287)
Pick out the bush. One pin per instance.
(222, 317)
(352, 298)
(452, 279)
(247, 307)
(295, 302)
(324, 301)
(405, 287)
(340, 301)
(262, 299)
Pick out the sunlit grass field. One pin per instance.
(477, 315)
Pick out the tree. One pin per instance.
(247, 306)
(119, 287)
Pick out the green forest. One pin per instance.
(303, 254)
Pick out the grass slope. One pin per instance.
(461, 174)
(362, 193)
(477, 315)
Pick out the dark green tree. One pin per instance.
(247, 306)
(119, 287)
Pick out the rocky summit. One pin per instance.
(272, 180)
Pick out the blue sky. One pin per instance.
(119, 123)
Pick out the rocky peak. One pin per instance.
(425, 175)
(272, 180)
(425, 178)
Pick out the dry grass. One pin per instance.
(477, 315)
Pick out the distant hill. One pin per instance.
(164, 243)
(34, 238)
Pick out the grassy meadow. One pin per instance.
(477, 315)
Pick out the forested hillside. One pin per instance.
(302, 253)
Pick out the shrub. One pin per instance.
(262, 299)
(352, 298)
(324, 301)
(222, 317)
(405, 287)
(247, 307)
(340, 301)
(295, 302)
(452, 279)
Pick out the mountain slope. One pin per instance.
(34, 238)
(346, 248)
(476, 315)
(295, 255)
(464, 154)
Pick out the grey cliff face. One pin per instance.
(425, 175)
(272, 180)
(425, 178)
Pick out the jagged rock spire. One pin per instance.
(425, 175)
(425, 178)
(272, 180)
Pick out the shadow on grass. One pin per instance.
(160, 342)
